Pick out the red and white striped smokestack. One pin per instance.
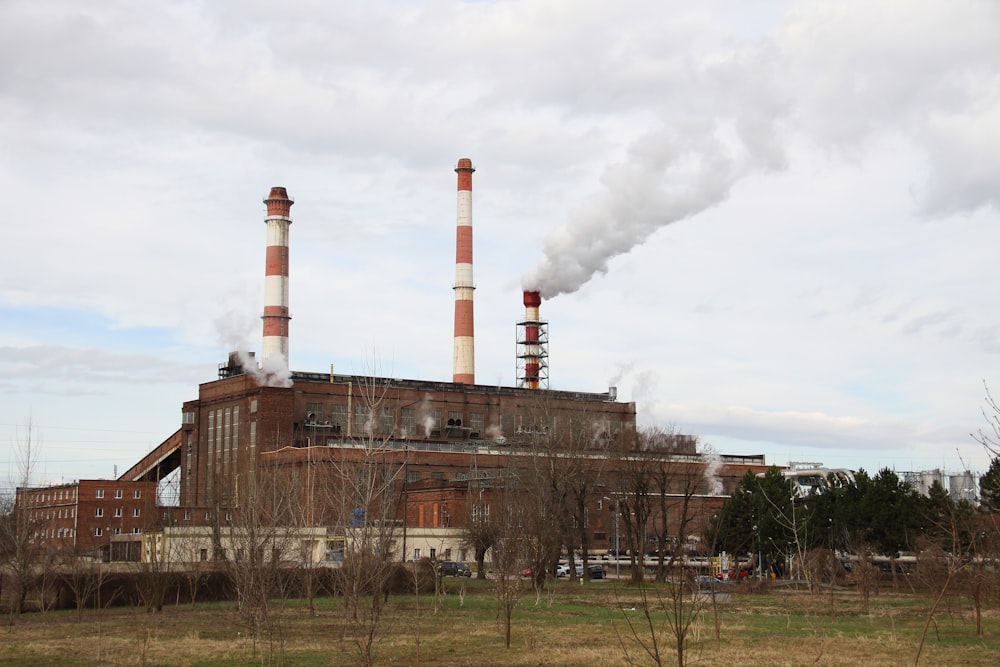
(532, 344)
(276, 275)
(464, 369)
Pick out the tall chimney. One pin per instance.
(464, 369)
(276, 275)
(532, 341)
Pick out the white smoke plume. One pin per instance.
(668, 176)
(714, 465)
(234, 330)
(827, 76)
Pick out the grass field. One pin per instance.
(573, 625)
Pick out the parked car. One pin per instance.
(597, 572)
(733, 575)
(451, 568)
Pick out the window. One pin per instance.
(338, 414)
(412, 476)
(433, 554)
(137, 493)
(416, 554)
(118, 511)
(187, 515)
(253, 405)
(135, 530)
(203, 553)
(187, 417)
(476, 422)
(98, 532)
(316, 412)
(362, 419)
(100, 493)
(408, 421)
(100, 511)
(118, 493)
(118, 531)
(387, 420)
(454, 418)
(437, 474)
(135, 511)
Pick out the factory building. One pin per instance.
(448, 440)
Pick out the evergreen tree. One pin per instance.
(989, 486)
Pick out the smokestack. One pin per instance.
(532, 344)
(464, 368)
(276, 275)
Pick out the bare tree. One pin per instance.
(258, 535)
(366, 493)
(21, 547)
(667, 612)
(508, 551)
(990, 437)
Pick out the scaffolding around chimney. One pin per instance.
(532, 346)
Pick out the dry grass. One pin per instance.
(575, 626)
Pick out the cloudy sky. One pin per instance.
(775, 228)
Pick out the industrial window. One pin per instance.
(454, 418)
(118, 531)
(118, 493)
(135, 511)
(435, 419)
(476, 422)
(437, 474)
(100, 493)
(315, 410)
(253, 406)
(118, 511)
(338, 416)
(99, 512)
(98, 532)
(412, 476)
(387, 420)
(236, 433)
(135, 530)
(408, 421)
(137, 493)
(188, 417)
(362, 419)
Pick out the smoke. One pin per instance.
(826, 77)
(272, 372)
(668, 175)
(234, 328)
(714, 462)
(425, 414)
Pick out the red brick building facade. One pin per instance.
(82, 517)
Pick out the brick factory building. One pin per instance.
(454, 444)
